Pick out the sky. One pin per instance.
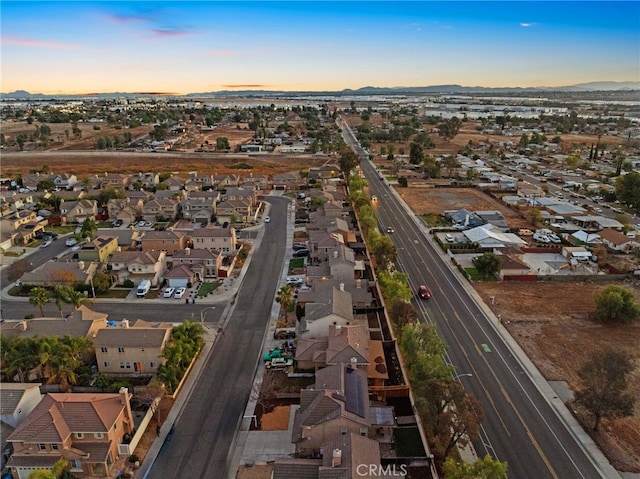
(180, 47)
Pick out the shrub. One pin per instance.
(128, 283)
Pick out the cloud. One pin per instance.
(527, 25)
(246, 86)
(32, 42)
(123, 19)
(170, 33)
(222, 52)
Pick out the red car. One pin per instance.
(424, 292)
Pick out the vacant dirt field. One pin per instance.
(424, 199)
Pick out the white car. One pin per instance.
(71, 242)
(180, 292)
(267, 219)
(541, 238)
(554, 238)
(168, 292)
(141, 224)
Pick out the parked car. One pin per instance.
(168, 292)
(50, 235)
(279, 363)
(301, 253)
(449, 238)
(540, 238)
(554, 238)
(293, 280)
(45, 243)
(180, 292)
(71, 242)
(297, 246)
(424, 292)
(141, 224)
(117, 223)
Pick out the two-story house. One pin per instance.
(234, 210)
(337, 309)
(287, 181)
(167, 241)
(145, 180)
(23, 225)
(83, 428)
(117, 181)
(131, 349)
(78, 211)
(174, 183)
(197, 181)
(65, 181)
(98, 249)
(198, 210)
(233, 193)
(160, 209)
(224, 181)
(204, 262)
(216, 238)
(124, 209)
(138, 265)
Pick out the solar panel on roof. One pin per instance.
(355, 394)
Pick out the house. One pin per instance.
(117, 181)
(255, 182)
(233, 193)
(327, 171)
(512, 266)
(183, 275)
(318, 317)
(463, 218)
(209, 259)
(160, 209)
(23, 225)
(83, 428)
(338, 403)
(128, 349)
(287, 181)
(81, 322)
(489, 236)
(196, 181)
(65, 181)
(148, 180)
(235, 211)
(17, 400)
(124, 209)
(224, 181)
(56, 273)
(617, 241)
(98, 249)
(167, 241)
(198, 210)
(78, 211)
(138, 265)
(174, 183)
(322, 289)
(216, 238)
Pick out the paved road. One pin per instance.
(520, 426)
(203, 434)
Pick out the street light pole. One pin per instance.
(458, 376)
(202, 313)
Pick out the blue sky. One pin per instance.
(181, 47)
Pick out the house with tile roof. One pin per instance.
(160, 209)
(618, 241)
(138, 265)
(337, 403)
(167, 241)
(78, 211)
(55, 273)
(238, 210)
(208, 261)
(83, 428)
(336, 309)
(82, 322)
(217, 238)
(322, 288)
(131, 349)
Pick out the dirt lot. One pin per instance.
(424, 199)
(553, 322)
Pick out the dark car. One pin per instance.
(117, 223)
(299, 246)
(301, 253)
(424, 292)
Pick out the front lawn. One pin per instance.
(296, 263)
(207, 287)
(114, 293)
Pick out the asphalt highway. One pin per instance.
(520, 427)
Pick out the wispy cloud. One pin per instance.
(170, 33)
(246, 86)
(123, 19)
(33, 42)
(528, 25)
(222, 53)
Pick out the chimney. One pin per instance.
(342, 287)
(81, 264)
(187, 251)
(125, 323)
(336, 458)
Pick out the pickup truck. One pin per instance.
(279, 363)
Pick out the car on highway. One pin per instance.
(267, 219)
(374, 198)
(168, 292)
(424, 292)
(390, 229)
(180, 292)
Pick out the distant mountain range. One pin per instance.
(368, 90)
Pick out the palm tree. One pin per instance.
(285, 299)
(77, 298)
(61, 296)
(78, 347)
(39, 297)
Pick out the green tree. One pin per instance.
(222, 143)
(450, 163)
(61, 296)
(39, 297)
(89, 228)
(403, 313)
(431, 167)
(77, 298)
(383, 250)
(42, 474)
(605, 378)
(348, 161)
(628, 190)
(487, 264)
(450, 128)
(416, 153)
(285, 299)
(46, 184)
(483, 468)
(616, 303)
(101, 282)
